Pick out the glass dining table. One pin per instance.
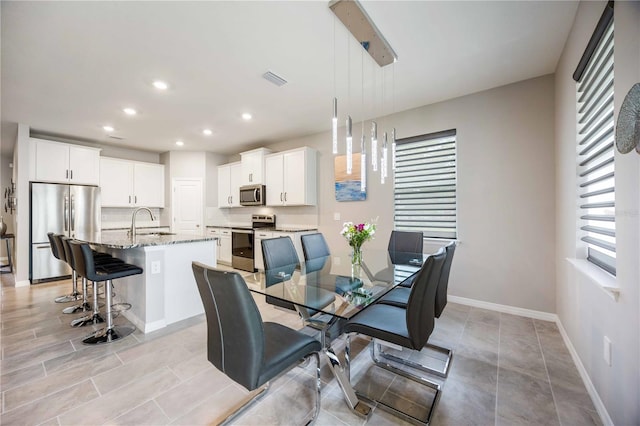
(328, 291)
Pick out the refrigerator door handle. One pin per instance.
(65, 213)
(73, 214)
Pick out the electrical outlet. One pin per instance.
(607, 351)
(336, 216)
(155, 267)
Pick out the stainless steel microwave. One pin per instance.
(252, 195)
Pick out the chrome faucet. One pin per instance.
(132, 231)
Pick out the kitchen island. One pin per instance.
(166, 292)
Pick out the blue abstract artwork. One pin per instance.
(348, 185)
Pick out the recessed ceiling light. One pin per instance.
(179, 143)
(108, 129)
(246, 116)
(207, 132)
(160, 85)
(130, 111)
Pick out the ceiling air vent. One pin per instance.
(274, 78)
(115, 137)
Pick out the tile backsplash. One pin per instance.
(121, 218)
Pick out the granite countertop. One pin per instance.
(267, 229)
(120, 240)
(123, 228)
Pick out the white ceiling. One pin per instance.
(68, 68)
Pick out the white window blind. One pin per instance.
(596, 172)
(425, 185)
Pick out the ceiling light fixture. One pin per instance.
(179, 143)
(160, 85)
(355, 19)
(246, 116)
(130, 111)
(108, 129)
(207, 132)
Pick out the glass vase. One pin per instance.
(356, 256)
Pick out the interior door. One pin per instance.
(188, 215)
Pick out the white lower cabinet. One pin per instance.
(223, 253)
(258, 260)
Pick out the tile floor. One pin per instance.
(507, 370)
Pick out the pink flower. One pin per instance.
(361, 227)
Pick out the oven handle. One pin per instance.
(242, 231)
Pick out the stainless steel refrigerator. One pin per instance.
(72, 210)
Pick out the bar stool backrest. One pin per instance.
(66, 249)
(56, 246)
(80, 262)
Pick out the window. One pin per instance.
(595, 150)
(425, 185)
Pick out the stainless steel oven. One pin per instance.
(243, 242)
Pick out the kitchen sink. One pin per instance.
(155, 234)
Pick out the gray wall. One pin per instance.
(586, 311)
(506, 184)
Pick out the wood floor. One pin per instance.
(506, 370)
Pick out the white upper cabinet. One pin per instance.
(148, 184)
(229, 176)
(253, 166)
(65, 163)
(125, 183)
(291, 178)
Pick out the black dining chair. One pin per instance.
(409, 328)
(399, 297)
(247, 350)
(404, 248)
(314, 246)
(280, 262)
(405, 245)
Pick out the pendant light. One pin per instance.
(363, 146)
(349, 146)
(374, 146)
(393, 149)
(334, 120)
(383, 159)
(363, 164)
(349, 139)
(334, 126)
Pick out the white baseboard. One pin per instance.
(140, 325)
(529, 313)
(546, 316)
(23, 283)
(597, 402)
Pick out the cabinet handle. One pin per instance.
(66, 174)
(129, 199)
(71, 173)
(285, 196)
(281, 197)
(250, 177)
(135, 199)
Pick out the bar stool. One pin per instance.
(58, 253)
(87, 267)
(101, 259)
(7, 238)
